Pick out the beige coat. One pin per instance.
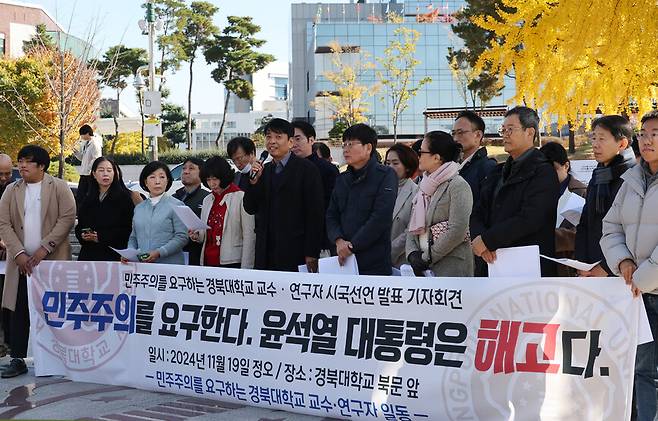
(401, 214)
(238, 233)
(57, 219)
(451, 254)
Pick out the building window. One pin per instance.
(281, 88)
(230, 124)
(2, 44)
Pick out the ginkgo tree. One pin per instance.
(348, 100)
(570, 58)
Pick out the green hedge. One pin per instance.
(70, 174)
(172, 156)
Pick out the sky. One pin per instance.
(115, 22)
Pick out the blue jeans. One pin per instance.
(646, 365)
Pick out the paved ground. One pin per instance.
(28, 397)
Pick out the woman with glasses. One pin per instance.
(438, 229)
(611, 136)
(404, 162)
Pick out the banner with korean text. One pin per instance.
(351, 347)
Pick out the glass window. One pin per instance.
(2, 44)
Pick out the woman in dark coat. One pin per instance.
(105, 214)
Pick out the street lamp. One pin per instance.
(148, 27)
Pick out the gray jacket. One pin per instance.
(450, 255)
(407, 190)
(630, 229)
(158, 228)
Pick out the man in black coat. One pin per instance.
(360, 213)
(611, 135)
(518, 200)
(192, 195)
(286, 198)
(468, 130)
(303, 147)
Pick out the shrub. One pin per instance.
(70, 173)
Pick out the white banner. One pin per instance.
(352, 347)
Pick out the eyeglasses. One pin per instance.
(350, 144)
(460, 132)
(508, 130)
(421, 152)
(648, 137)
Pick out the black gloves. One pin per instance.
(416, 261)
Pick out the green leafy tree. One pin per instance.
(193, 32)
(174, 121)
(166, 11)
(234, 55)
(25, 109)
(399, 64)
(486, 85)
(40, 39)
(118, 63)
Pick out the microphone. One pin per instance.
(263, 157)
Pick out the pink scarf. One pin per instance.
(426, 189)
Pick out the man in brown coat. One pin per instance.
(37, 213)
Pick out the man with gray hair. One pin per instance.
(518, 199)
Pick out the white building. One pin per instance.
(270, 91)
(237, 124)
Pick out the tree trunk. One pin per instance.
(395, 132)
(572, 139)
(189, 110)
(220, 135)
(116, 125)
(60, 171)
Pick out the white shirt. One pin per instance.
(32, 218)
(87, 153)
(467, 160)
(155, 199)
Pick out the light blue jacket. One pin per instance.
(158, 228)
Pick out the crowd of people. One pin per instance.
(441, 205)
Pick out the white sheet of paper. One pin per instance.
(395, 272)
(573, 203)
(582, 169)
(516, 262)
(129, 254)
(573, 216)
(644, 334)
(189, 218)
(331, 265)
(406, 270)
(572, 263)
(302, 269)
(3, 267)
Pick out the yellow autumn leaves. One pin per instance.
(570, 57)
